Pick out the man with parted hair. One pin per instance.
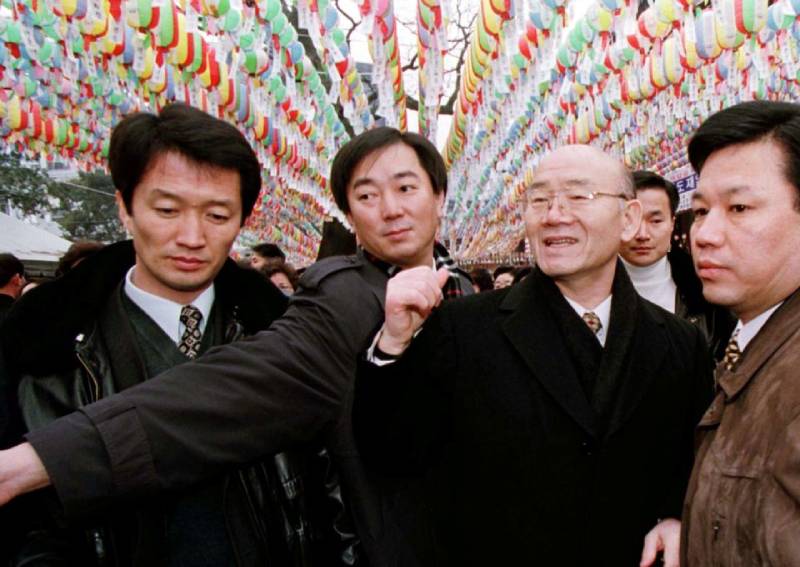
(663, 273)
(285, 387)
(743, 502)
(561, 410)
(186, 182)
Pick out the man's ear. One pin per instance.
(122, 212)
(440, 205)
(631, 219)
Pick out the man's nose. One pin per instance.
(643, 234)
(708, 230)
(556, 211)
(190, 231)
(391, 206)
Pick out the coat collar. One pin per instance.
(779, 328)
(635, 348)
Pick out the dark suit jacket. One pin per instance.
(488, 398)
(281, 388)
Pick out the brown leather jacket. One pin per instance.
(743, 503)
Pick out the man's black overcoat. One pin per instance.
(530, 474)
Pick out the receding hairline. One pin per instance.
(621, 171)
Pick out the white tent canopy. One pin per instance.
(29, 243)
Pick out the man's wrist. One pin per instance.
(390, 347)
(21, 471)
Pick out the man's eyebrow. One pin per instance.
(574, 182)
(163, 193)
(698, 194)
(401, 174)
(370, 181)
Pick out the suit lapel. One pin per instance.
(533, 332)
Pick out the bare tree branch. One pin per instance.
(349, 18)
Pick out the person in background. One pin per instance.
(503, 277)
(12, 280)
(265, 252)
(481, 280)
(663, 273)
(282, 275)
(76, 253)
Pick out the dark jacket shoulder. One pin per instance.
(333, 265)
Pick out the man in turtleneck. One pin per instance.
(665, 275)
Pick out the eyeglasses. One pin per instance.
(571, 200)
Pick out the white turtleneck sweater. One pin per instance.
(654, 283)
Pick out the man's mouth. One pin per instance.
(707, 269)
(397, 233)
(559, 241)
(188, 262)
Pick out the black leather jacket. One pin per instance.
(277, 511)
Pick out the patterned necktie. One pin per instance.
(732, 353)
(190, 341)
(593, 321)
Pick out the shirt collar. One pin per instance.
(748, 331)
(603, 312)
(167, 313)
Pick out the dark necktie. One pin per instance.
(732, 353)
(593, 321)
(190, 341)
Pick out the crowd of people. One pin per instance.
(162, 404)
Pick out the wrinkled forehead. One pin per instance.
(578, 166)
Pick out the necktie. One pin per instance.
(593, 321)
(732, 353)
(190, 341)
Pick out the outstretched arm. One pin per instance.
(21, 471)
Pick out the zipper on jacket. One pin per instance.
(94, 394)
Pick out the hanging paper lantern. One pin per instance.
(728, 36)
(668, 11)
(599, 18)
(673, 69)
(541, 15)
(779, 18)
(751, 15)
(706, 36)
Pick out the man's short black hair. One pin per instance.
(366, 143)
(268, 250)
(499, 270)
(649, 180)
(142, 137)
(750, 122)
(10, 266)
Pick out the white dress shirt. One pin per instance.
(603, 312)
(166, 313)
(748, 331)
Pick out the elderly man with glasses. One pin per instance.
(555, 417)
